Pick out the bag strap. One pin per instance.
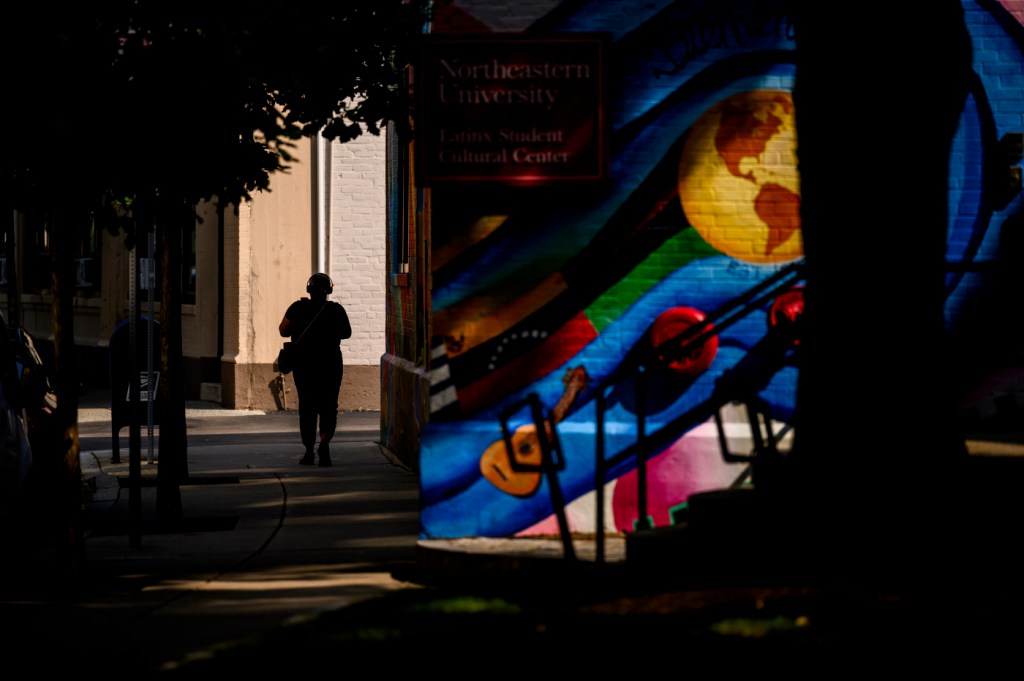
(326, 303)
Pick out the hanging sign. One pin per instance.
(511, 109)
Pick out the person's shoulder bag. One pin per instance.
(286, 356)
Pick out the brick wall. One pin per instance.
(357, 226)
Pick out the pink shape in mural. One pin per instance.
(692, 464)
(1016, 8)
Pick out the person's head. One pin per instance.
(319, 285)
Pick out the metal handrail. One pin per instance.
(551, 460)
(636, 366)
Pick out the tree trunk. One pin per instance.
(878, 99)
(172, 469)
(62, 445)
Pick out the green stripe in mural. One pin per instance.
(676, 252)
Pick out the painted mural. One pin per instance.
(638, 311)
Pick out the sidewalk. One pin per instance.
(263, 542)
(436, 559)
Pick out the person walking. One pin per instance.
(318, 326)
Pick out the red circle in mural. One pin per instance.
(674, 321)
(786, 311)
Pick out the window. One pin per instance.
(401, 200)
(397, 205)
(87, 259)
(35, 247)
(150, 245)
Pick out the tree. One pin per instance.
(878, 101)
(170, 104)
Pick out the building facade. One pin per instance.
(576, 297)
(242, 268)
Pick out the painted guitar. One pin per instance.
(495, 464)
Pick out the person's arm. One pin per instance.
(346, 327)
(283, 326)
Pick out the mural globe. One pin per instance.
(738, 180)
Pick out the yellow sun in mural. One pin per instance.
(738, 180)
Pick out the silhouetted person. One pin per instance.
(318, 326)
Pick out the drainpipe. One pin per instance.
(220, 282)
(321, 194)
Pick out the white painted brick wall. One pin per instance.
(357, 225)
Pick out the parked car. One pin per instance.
(15, 450)
(38, 397)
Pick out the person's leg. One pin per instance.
(307, 416)
(328, 408)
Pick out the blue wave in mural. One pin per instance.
(450, 458)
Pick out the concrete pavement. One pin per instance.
(260, 541)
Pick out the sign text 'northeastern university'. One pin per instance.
(511, 109)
